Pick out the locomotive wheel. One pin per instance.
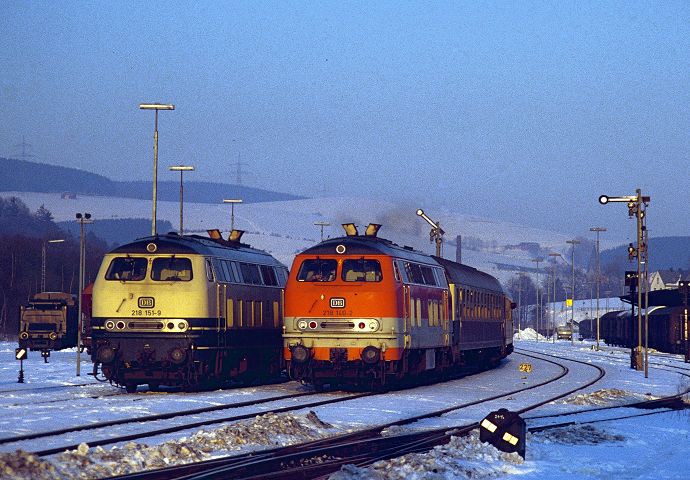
(130, 387)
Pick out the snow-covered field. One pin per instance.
(285, 228)
(652, 446)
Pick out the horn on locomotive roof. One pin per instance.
(350, 229)
(372, 229)
(214, 234)
(235, 235)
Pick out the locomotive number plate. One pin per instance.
(146, 302)
(337, 302)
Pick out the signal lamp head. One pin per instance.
(604, 199)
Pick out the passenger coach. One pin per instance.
(362, 310)
(187, 310)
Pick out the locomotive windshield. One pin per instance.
(127, 269)
(317, 270)
(171, 269)
(361, 270)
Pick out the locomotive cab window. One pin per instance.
(317, 270)
(127, 269)
(171, 269)
(362, 270)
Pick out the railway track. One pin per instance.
(321, 457)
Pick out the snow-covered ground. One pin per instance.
(652, 446)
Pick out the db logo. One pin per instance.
(337, 302)
(146, 302)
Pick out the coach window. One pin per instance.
(428, 276)
(127, 269)
(171, 269)
(317, 270)
(361, 270)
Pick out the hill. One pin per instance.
(24, 176)
(664, 253)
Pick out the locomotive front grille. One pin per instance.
(338, 355)
(338, 325)
(146, 325)
(42, 327)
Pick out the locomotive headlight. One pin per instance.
(374, 325)
(302, 324)
(109, 325)
(120, 325)
(182, 326)
(24, 335)
(300, 353)
(52, 336)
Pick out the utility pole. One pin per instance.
(598, 230)
(322, 224)
(573, 242)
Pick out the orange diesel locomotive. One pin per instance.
(362, 310)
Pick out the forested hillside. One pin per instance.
(23, 176)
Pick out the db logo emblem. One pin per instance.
(146, 302)
(337, 302)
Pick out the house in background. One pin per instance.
(665, 279)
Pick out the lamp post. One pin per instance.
(436, 234)
(553, 316)
(181, 169)
(683, 289)
(637, 206)
(232, 203)
(82, 219)
(598, 230)
(322, 224)
(537, 261)
(573, 242)
(155, 107)
(43, 261)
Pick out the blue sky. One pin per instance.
(523, 111)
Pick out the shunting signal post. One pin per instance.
(637, 206)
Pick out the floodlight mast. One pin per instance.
(436, 234)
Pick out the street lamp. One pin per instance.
(232, 203)
(81, 219)
(637, 206)
(598, 230)
(181, 169)
(573, 242)
(553, 313)
(322, 224)
(155, 107)
(537, 261)
(436, 234)
(43, 261)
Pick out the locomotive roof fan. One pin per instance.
(372, 229)
(350, 229)
(235, 235)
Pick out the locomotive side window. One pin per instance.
(317, 270)
(361, 270)
(428, 276)
(209, 270)
(171, 269)
(269, 275)
(127, 269)
(250, 273)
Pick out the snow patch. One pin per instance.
(576, 435)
